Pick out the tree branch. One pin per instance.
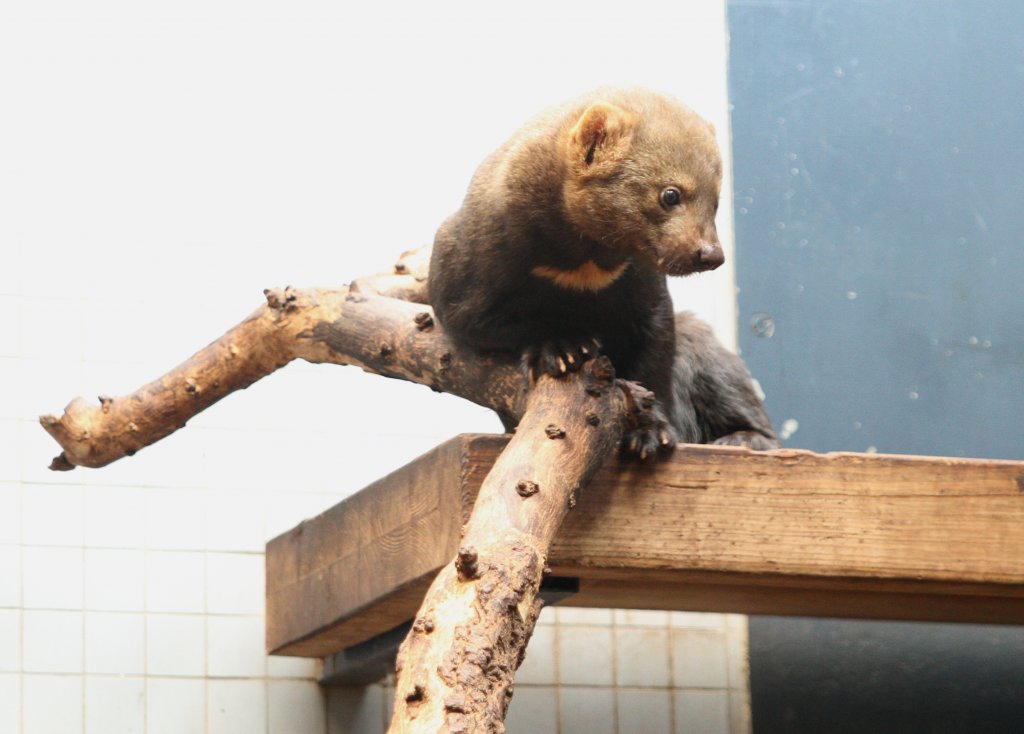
(361, 324)
(456, 667)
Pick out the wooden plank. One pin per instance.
(865, 600)
(711, 528)
(367, 560)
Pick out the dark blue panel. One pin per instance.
(823, 676)
(879, 167)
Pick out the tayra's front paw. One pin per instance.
(650, 434)
(557, 358)
(749, 439)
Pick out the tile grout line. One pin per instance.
(145, 636)
(21, 609)
(206, 642)
(557, 683)
(615, 672)
(671, 675)
(81, 624)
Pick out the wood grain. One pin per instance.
(709, 529)
(368, 559)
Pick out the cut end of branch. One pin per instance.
(60, 463)
(424, 321)
(417, 694)
(49, 421)
(414, 262)
(281, 299)
(554, 432)
(526, 488)
(466, 564)
(603, 371)
(423, 625)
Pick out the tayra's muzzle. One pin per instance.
(707, 255)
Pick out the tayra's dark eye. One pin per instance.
(671, 196)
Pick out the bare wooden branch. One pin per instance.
(455, 669)
(354, 325)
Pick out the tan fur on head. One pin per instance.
(622, 150)
(600, 137)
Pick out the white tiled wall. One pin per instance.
(661, 681)
(159, 166)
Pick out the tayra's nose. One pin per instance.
(708, 257)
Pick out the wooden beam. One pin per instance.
(710, 529)
(337, 579)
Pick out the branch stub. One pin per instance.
(466, 564)
(527, 488)
(554, 432)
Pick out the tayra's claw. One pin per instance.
(558, 358)
(651, 435)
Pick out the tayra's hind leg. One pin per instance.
(714, 391)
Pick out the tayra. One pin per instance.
(562, 245)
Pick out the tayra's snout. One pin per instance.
(705, 255)
(708, 256)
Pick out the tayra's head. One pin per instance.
(644, 176)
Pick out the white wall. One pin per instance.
(160, 164)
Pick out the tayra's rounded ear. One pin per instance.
(601, 135)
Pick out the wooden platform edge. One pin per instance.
(368, 559)
(710, 529)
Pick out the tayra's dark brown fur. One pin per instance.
(562, 245)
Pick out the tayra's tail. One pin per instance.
(716, 399)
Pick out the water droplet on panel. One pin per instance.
(763, 325)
